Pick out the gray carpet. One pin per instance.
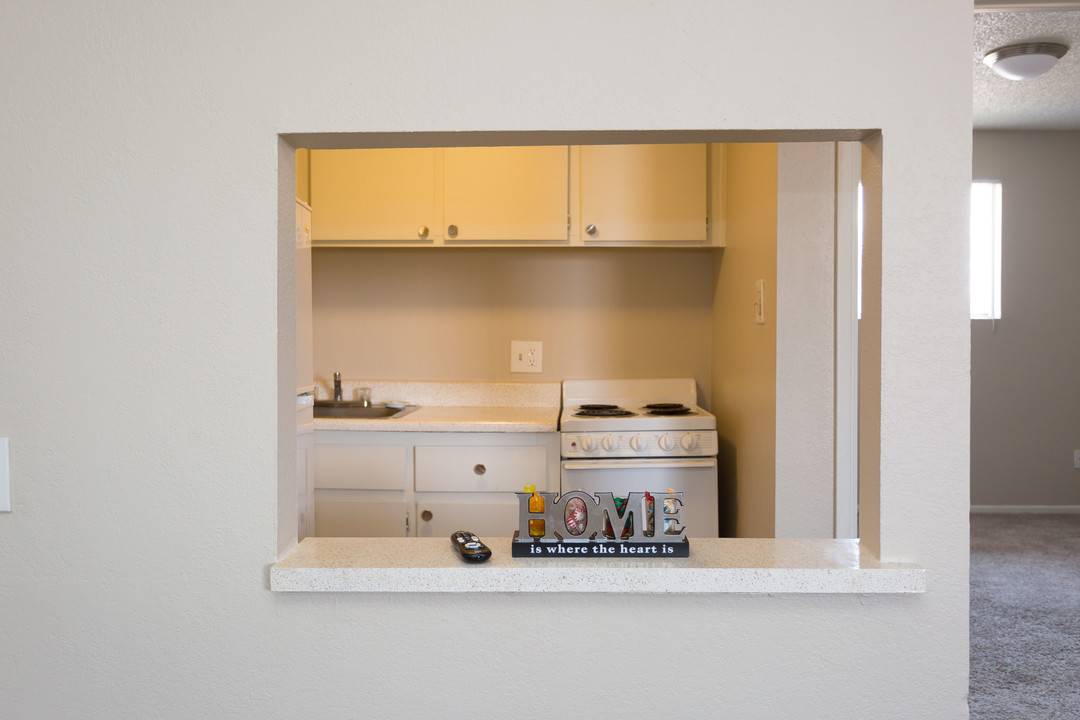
(1025, 616)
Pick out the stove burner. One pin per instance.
(668, 409)
(595, 410)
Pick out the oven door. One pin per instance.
(694, 477)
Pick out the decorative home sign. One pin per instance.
(581, 524)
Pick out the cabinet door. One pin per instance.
(375, 195)
(360, 490)
(644, 194)
(360, 513)
(305, 485)
(486, 514)
(505, 194)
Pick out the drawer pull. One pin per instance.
(479, 469)
(426, 515)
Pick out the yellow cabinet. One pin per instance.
(644, 194)
(453, 196)
(514, 194)
(374, 196)
(622, 195)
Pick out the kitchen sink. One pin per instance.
(352, 409)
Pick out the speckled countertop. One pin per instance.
(429, 564)
(452, 406)
(715, 566)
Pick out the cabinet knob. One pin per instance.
(451, 230)
(426, 515)
(591, 229)
(479, 469)
(422, 231)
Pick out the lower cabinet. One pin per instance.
(360, 488)
(391, 484)
(472, 487)
(360, 513)
(486, 514)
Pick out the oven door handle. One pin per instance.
(637, 464)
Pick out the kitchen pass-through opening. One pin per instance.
(845, 329)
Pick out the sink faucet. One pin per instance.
(337, 387)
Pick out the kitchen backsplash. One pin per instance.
(448, 394)
(425, 314)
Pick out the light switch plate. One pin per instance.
(759, 302)
(5, 476)
(526, 356)
(1076, 459)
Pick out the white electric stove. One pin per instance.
(622, 436)
(635, 418)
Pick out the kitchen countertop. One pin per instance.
(452, 406)
(723, 565)
(454, 419)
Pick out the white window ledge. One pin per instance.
(429, 565)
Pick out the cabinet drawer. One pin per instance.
(360, 467)
(480, 469)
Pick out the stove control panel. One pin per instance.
(642, 443)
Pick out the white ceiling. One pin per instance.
(1048, 102)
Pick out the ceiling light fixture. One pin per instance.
(1024, 61)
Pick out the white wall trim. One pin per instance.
(846, 458)
(1040, 509)
(804, 318)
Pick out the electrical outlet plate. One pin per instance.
(526, 356)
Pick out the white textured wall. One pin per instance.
(142, 391)
(805, 352)
(1025, 381)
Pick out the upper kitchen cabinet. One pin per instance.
(645, 194)
(303, 175)
(600, 195)
(508, 195)
(362, 197)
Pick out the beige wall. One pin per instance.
(148, 375)
(450, 314)
(744, 353)
(1025, 367)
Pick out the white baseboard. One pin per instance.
(1042, 509)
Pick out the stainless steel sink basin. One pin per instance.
(351, 409)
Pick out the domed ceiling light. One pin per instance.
(1025, 61)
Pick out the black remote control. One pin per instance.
(469, 547)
